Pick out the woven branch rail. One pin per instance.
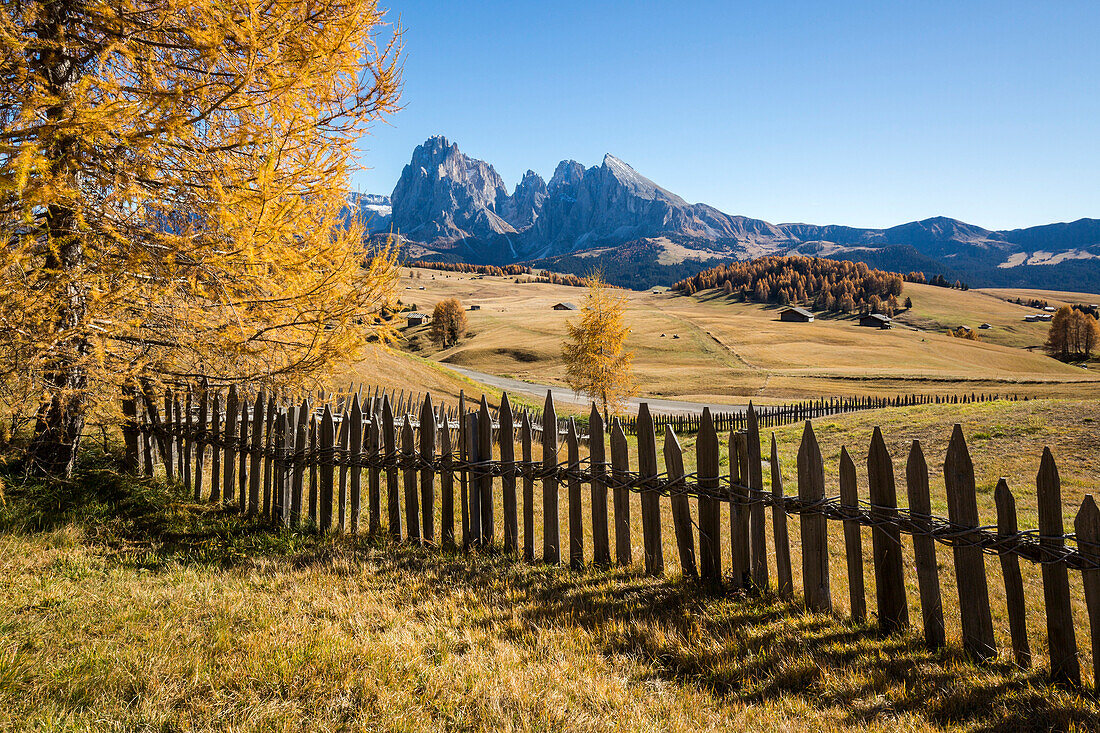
(305, 465)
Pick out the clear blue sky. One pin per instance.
(858, 113)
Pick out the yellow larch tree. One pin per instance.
(596, 362)
(173, 184)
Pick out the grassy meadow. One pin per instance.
(127, 606)
(712, 348)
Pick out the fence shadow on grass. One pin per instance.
(754, 649)
(751, 649)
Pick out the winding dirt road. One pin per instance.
(564, 395)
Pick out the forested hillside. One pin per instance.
(829, 285)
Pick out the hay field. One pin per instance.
(712, 348)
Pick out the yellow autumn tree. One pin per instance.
(596, 363)
(173, 181)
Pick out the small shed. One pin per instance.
(796, 315)
(475, 307)
(417, 319)
(564, 307)
(1031, 318)
(985, 326)
(875, 320)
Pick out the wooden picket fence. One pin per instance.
(304, 465)
(770, 416)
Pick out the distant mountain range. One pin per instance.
(451, 207)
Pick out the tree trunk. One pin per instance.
(60, 424)
(60, 418)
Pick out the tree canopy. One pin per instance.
(448, 322)
(830, 285)
(1073, 334)
(173, 177)
(596, 363)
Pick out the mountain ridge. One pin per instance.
(451, 206)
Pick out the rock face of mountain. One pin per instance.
(614, 203)
(525, 204)
(443, 196)
(451, 206)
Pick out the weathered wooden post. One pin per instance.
(216, 449)
(447, 487)
(527, 454)
(853, 537)
(1087, 526)
(551, 533)
(427, 469)
(256, 455)
(813, 525)
(485, 482)
(374, 472)
(508, 476)
(269, 454)
(201, 439)
(651, 507)
(1010, 568)
(408, 471)
(924, 547)
(710, 517)
(757, 526)
(1064, 667)
(620, 472)
(601, 551)
(389, 441)
(783, 570)
(740, 549)
(301, 446)
(681, 507)
(326, 440)
(471, 501)
(576, 520)
(229, 438)
(962, 509)
(893, 609)
(355, 459)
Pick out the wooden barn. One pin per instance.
(564, 307)
(875, 320)
(796, 315)
(417, 319)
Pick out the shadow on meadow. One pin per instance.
(751, 649)
(756, 649)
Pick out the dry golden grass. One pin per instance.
(1054, 297)
(129, 608)
(940, 309)
(715, 349)
(396, 370)
(1005, 439)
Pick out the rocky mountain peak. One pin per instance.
(444, 194)
(567, 175)
(452, 206)
(525, 204)
(636, 183)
